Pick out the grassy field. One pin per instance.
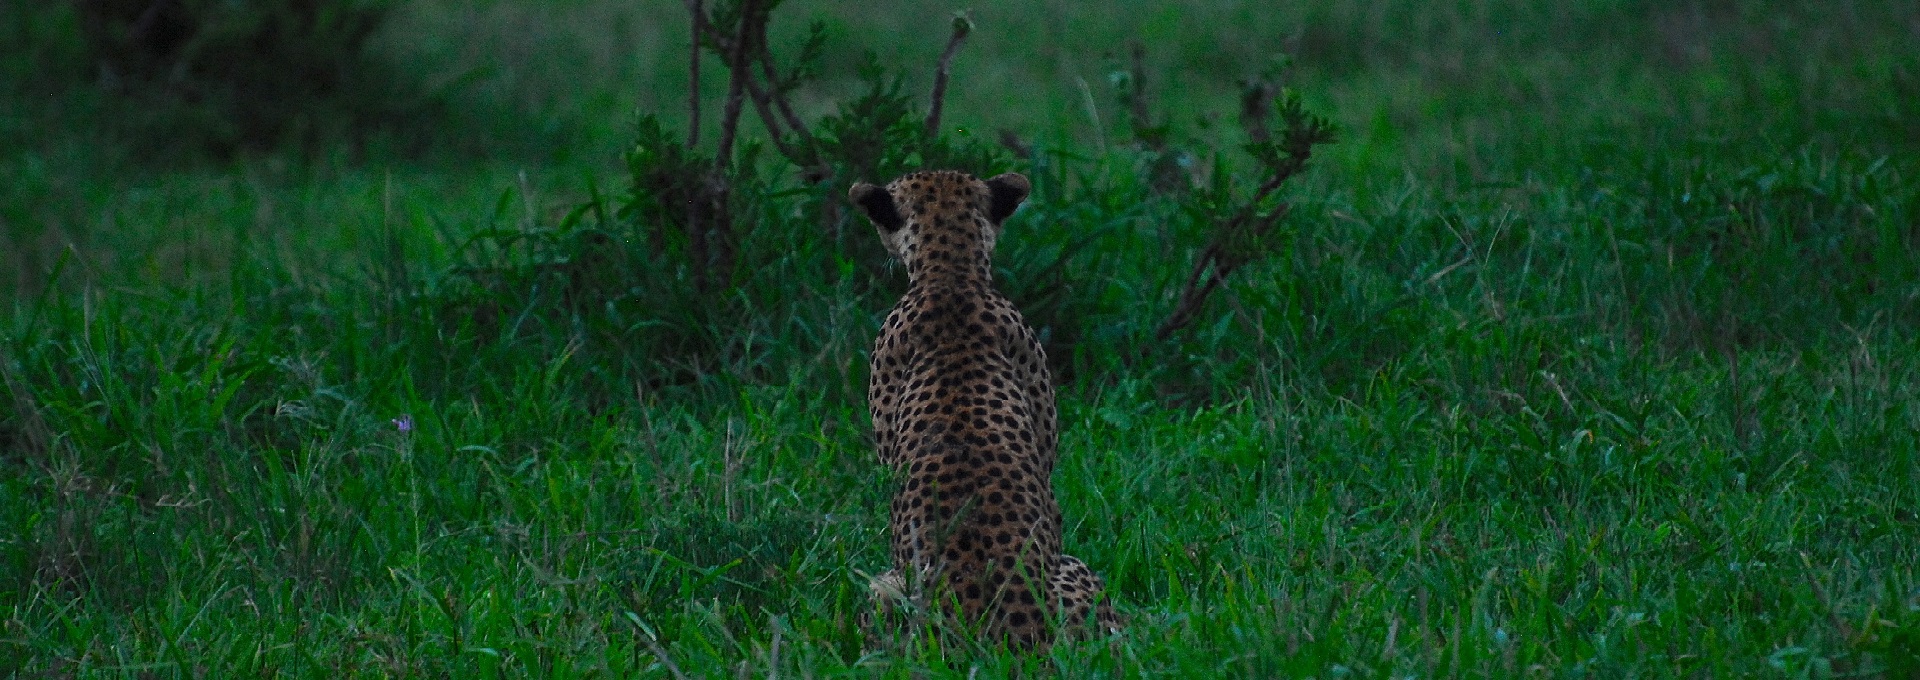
(1592, 350)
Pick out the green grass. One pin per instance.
(1593, 350)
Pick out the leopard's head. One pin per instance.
(925, 218)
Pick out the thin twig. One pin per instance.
(763, 107)
(696, 232)
(1011, 141)
(1191, 297)
(1256, 107)
(765, 101)
(646, 637)
(717, 254)
(961, 27)
(1215, 262)
(1820, 593)
(736, 82)
(778, 92)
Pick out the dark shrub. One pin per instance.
(227, 76)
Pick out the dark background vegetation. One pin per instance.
(1588, 348)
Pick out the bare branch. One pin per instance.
(748, 45)
(1256, 108)
(961, 27)
(1217, 261)
(736, 81)
(1011, 140)
(699, 16)
(1191, 296)
(762, 107)
(646, 636)
(1820, 594)
(778, 92)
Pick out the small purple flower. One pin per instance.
(404, 423)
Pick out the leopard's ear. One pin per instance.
(1005, 192)
(877, 205)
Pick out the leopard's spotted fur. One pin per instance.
(963, 409)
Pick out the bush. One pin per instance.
(225, 76)
(710, 257)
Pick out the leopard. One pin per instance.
(963, 412)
